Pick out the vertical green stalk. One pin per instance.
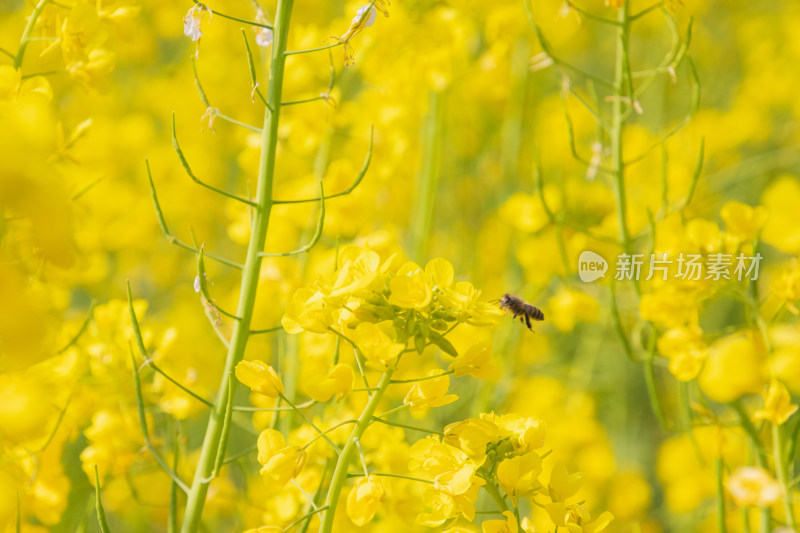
(250, 273)
(428, 181)
(23, 42)
(761, 458)
(720, 466)
(621, 83)
(780, 469)
(340, 472)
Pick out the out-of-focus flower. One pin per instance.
(686, 351)
(734, 367)
(264, 36)
(260, 377)
(778, 405)
(752, 486)
(477, 362)
(338, 381)
(364, 500)
(743, 221)
(509, 525)
(569, 306)
(278, 461)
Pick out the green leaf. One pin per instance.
(445, 345)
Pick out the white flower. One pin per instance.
(263, 35)
(192, 20)
(360, 13)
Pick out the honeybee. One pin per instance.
(521, 308)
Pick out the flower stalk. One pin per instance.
(250, 272)
(349, 450)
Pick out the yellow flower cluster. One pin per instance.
(503, 454)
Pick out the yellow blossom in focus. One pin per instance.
(463, 299)
(778, 405)
(752, 486)
(529, 432)
(409, 288)
(364, 499)
(279, 462)
(576, 519)
(442, 505)
(358, 268)
(509, 525)
(519, 476)
(338, 381)
(471, 436)
(477, 362)
(260, 377)
(430, 393)
(440, 273)
(562, 484)
(307, 310)
(378, 348)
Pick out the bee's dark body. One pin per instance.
(521, 308)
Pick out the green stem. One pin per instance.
(761, 456)
(780, 469)
(250, 273)
(340, 472)
(494, 492)
(720, 466)
(618, 123)
(23, 42)
(428, 181)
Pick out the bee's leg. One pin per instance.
(528, 322)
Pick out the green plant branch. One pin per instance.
(411, 428)
(85, 324)
(780, 469)
(236, 19)
(101, 513)
(194, 178)
(340, 472)
(415, 380)
(171, 238)
(310, 50)
(389, 474)
(26, 33)
(143, 419)
(252, 68)
(252, 266)
(347, 191)
(317, 232)
(428, 179)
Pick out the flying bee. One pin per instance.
(521, 308)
